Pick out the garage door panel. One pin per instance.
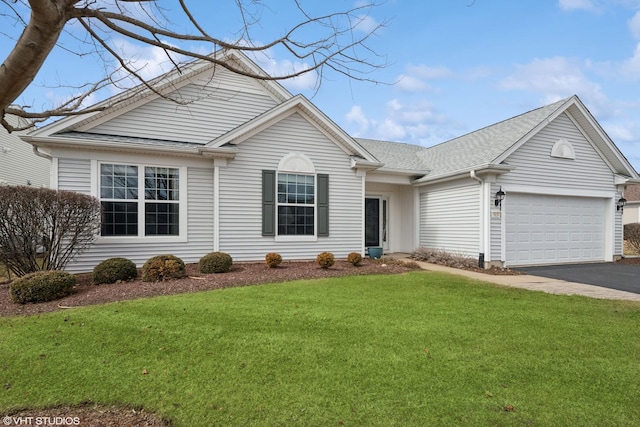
(553, 229)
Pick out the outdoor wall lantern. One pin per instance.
(620, 205)
(499, 198)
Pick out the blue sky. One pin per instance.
(456, 65)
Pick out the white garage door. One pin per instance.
(553, 229)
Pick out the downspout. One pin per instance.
(483, 221)
(53, 169)
(39, 153)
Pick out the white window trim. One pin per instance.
(141, 238)
(297, 163)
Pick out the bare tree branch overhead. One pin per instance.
(326, 41)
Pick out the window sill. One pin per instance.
(139, 239)
(296, 239)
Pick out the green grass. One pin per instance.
(412, 350)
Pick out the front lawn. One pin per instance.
(408, 350)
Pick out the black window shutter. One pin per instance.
(323, 205)
(268, 203)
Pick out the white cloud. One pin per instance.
(576, 5)
(634, 25)
(148, 61)
(357, 116)
(630, 68)
(274, 67)
(416, 123)
(411, 84)
(414, 80)
(365, 24)
(555, 78)
(429, 73)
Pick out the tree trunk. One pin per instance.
(19, 69)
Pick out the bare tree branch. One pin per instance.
(337, 48)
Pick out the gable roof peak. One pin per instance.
(166, 83)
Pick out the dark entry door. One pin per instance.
(371, 222)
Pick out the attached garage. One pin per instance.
(549, 229)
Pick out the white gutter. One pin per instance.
(223, 152)
(484, 169)
(39, 153)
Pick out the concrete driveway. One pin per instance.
(622, 277)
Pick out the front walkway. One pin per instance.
(534, 283)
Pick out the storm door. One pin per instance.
(375, 222)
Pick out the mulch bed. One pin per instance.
(242, 274)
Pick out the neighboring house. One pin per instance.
(19, 165)
(246, 168)
(632, 207)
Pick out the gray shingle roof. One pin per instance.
(126, 139)
(485, 145)
(466, 152)
(395, 155)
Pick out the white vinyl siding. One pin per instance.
(450, 220)
(544, 229)
(241, 194)
(76, 175)
(533, 164)
(19, 165)
(211, 112)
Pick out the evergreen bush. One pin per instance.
(42, 286)
(215, 262)
(163, 267)
(113, 269)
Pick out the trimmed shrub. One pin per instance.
(354, 258)
(273, 259)
(632, 235)
(113, 269)
(42, 286)
(163, 267)
(215, 262)
(325, 259)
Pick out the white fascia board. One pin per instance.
(53, 142)
(479, 171)
(613, 149)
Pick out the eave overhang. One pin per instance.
(479, 171)
(189, 150)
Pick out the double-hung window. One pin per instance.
(296, 204)
(139, 200)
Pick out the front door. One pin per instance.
(375, 222)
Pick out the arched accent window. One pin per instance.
(563, 149)
(295, 199)
(296, 163)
